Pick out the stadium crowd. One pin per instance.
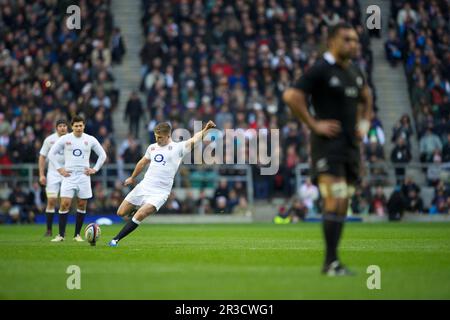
(419, 38)
(227, 61)
(230, 61)
(48, 72)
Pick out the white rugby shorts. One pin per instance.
(78, 184)
(141, 195)
(54, 180)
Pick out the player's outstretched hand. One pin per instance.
(42, 180)
(129, 181)
(210, 125)
(64, 172)
(327, 128)
(89, 171)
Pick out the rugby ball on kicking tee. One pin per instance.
(92, 233)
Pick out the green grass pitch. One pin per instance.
(257, 261)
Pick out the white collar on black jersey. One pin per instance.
(329, 57)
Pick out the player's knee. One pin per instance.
(81, 205)
(51, 204)
(121, 212)
(65, 205)
(144, 213)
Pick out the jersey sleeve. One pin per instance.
(45, 149)
(181, 149)
(98, 149)
(310, 79)
(147, 154)
(57, 147)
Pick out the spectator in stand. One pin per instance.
(400, 155)
(403, 129)
(309, 194)
(5, 126)
(376, 134)
(407, 16)
(5, 207)
(414, 203)
(5, 160)
(434, 169)
(36, 198)
(115, 197)
(420, 95)
(221, 192)
(172, 205)
(375, 156)
(188, 204)
(396, 205)
(233, 200)
(118, 48)
(134, 113)
(22, 204)
(429, 143)
(409, 184)
(204, 203)
(359, 204)
(445, 150)
(393, 48)
(133, 153)
(379, 202)
(221, 205)
(298, 210)
(439, 202)
(242, 207)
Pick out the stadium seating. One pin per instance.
(230, 61)
(48, 72)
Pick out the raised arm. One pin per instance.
(199, 135)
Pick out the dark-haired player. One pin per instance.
(51, 181)
(76, 172)
(343, 104)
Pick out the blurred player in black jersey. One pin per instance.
(342, 105)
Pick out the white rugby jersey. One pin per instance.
(77, 152)
(46, 146)
(164, 165)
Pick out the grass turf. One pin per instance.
(257, 261)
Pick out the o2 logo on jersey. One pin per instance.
(159, 158)
(77, 152)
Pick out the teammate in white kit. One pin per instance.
(151, 193)
(76, 173)
(51, 181)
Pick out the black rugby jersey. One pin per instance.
(335, 93)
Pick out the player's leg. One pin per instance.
(81, 213)
(51, 190)
(125, 209)
(49, 214)
(334, 192)
(67, 192)
(142, 213)
(84, 192)
(64, 208)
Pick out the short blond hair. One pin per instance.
(163, 129)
